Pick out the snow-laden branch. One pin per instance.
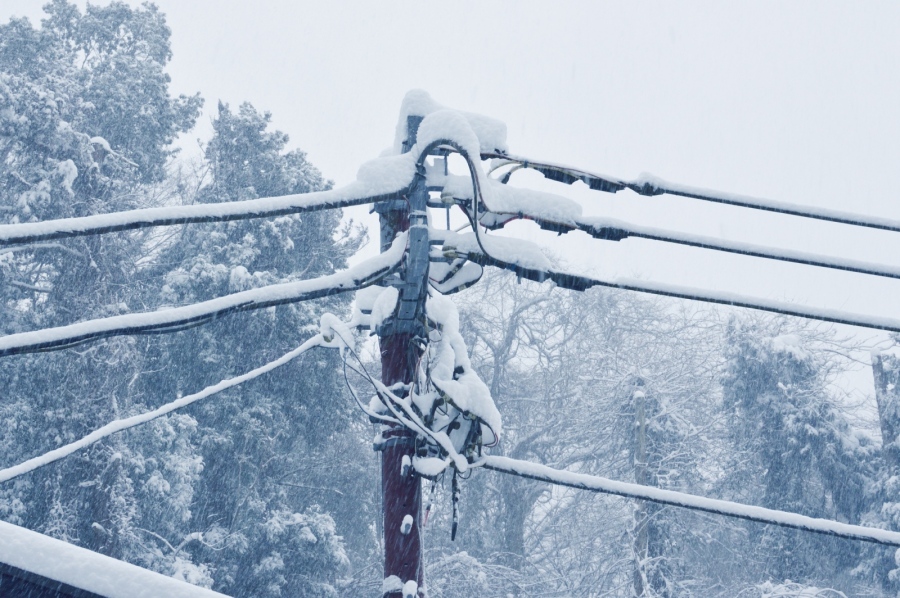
(136, 420)
(562, 215)
(527, 260)
(648, 184)
(382, 179)
(179, 318)
(581, 481)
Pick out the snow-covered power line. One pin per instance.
(381, 179)
(179, 318)
(526, 260)
(581, 481)
(613, 229)
(142, 418)
(551, 217)
(650, 185)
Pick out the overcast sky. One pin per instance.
(794, 101)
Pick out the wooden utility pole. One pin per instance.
(639, 456)
(401, 488)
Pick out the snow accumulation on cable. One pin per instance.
(351, 279)
(647, 184)
(87, 570)
(680, 499)
(430, 467)
(516, 255)
(509, 202)
(508, 158)
(505, 199)
(591, 224)
(142, 418)
(514, 251)
(490, 132)
(456, 276)
(650, 181)
(379, 179)
(824, 314)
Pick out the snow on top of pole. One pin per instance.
(490, 132)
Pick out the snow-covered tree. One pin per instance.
(277, 458)
(793, 450)
(86, 122)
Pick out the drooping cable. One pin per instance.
(130, 422)
(180, 318)
(536, 471)
(265, 207)
(616, 230)
(650, 186)
(581, 283)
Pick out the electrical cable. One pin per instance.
(651, 187)
(614, 230)
(265, 207)
(181, 318)
(388, 398)
(579, 481)
(581, 283)
(120, 425)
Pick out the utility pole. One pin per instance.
(639, 456)
(400, 486)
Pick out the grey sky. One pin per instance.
(791, 101)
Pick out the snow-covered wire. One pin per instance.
(408, 418)
(142, 418)
(372, 415)
(387, 397)
(726, 508)
(180, 318)
(581, 283)
(617, 230)
(650, 185)
(357, 193)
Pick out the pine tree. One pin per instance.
(277, 454)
